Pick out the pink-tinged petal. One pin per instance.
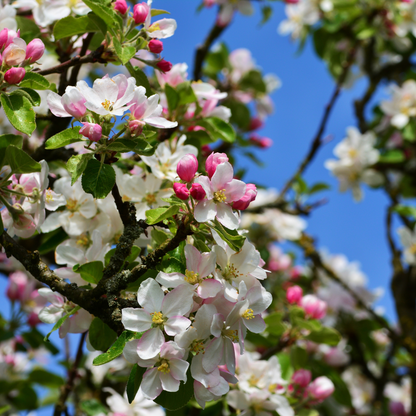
(106, 89)
(235, 314)
(226, 216)
(205, 210)
(221, 388)
(176, 325)
(217, 324)
(168, 382)
(150, 343)
(221, 254)
(178, 369)
(130, 351)
(137, 320)
(259, 299)
(213, 354)
(223, 174)
(55, 105)
(206, 185)
(255, 325)
(203, 320)
(170, 279)
(202, 394)
(193, 258)
(229, 355)
(207, 264)
(150, 295)
(209, 288)
(80, 322)
(151, 385)
(205, 378)
(170, 350)
(247, 259)
(160, 122)
(179, 301)
(234, 190)
(153, 108)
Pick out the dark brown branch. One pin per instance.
(203, 49)
(317, 140)
(75, 70)
(281, 345)
(72, 373)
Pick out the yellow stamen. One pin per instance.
(164, 367)
(197, 346)
(192, 277)
(48, 195)
(248, 314)
(150, 199)
(157, 318)
(71, 205)
(232, 334)
(83, 241)
(153, 27)
(219, 196)
(108, 105)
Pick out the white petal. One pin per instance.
(150, 343)
(150, 295)
(137, 320)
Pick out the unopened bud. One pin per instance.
(213, 160)
(15, 53)
(302, 377)
(35, 50)
(197, 192)
(294, 294)
(187, 167)
(164, 66)
(249, 196)
(314, 307)
(155, 46)
(181, 191)
(140, 12)
(14, 75)
(136, 127)
(91, 131)
(121, 6)
(321, 388)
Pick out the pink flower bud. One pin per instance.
(249, 196)
(155, 46)
(33, 319)
(302, 377)
(140, 12)
(91, 131)
(197, 192)
(6, 37)
(15, 53)
(164, 66)
(397, 409)
(121, 6)
(262, 142)
(35, 50)
(314, 307)
(294, 294)
(136, 127)
(181, 191)
(213, 160)
(291, 1)
(17, 283)
(187, 167)
(321, 388)
(255, 124)
(14, 75)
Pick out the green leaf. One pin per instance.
(35, 81)
(157, 12)
(26, 399)
(93, 407)
(64, 138)
(134, 381)
(266, 12)
(62, 320)
(36, 339)
(366, 33)
(20, 113)
(77, 164)
(98, 179)
(409, 132)
(179, 399)
(231, 237)
(28, 28)
(11, 139)
(101, 335)
(326, 335)
(298, 357)
(317, 187)
(240, 114)
(46, 378)
(407, 211)
(219, 129)
(91, 272)
(153, 216)
(274, 323)
(18, 160)
(392, 156)
(140, 77)
(29, 94)
(4, 409)
(117, 348)
(136, 145)
(70, 26)
(172, 265)
(127, 52)
(101, 10)
(253, 80)
(172, 97)
(186, 93)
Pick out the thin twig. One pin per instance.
(317, 140)
(72, 373)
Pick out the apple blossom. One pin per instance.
(71, 104)
(140, 13)
(174, 77)
(122, 7)
(294, 294)
(34, 50)
(314, 307)
(181, 191)
(302, 377)
(155, 46)
(197, 192)
(321, 388)
(14, 75)
(91, 131)
(164, 66)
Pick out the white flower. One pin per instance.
(402, 105)
(161, 29)
(163, 163)
(408, 239)
(8, 17)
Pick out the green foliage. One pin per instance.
(101, 336)
(153, 216)
(135, 379)
(91, 272)
(62, 320)
(231, 237)
(98, 179)
(64, 138)
(70, 26)
(45, 378)
(20, 113)
(218, 129)
(77, 164)
(35, 81)
(18, 160)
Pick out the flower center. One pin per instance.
(231, 333)
(71, 205)
(164, 367)
(192, 277)
(248, 314)
(219, 196)
(150, 199)
(83, 241)
(412, 248)
(352, 153)
(153, 27)
(48, 195)
(197, 346)
(157, 318)
(108, 105)
(231, 272)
